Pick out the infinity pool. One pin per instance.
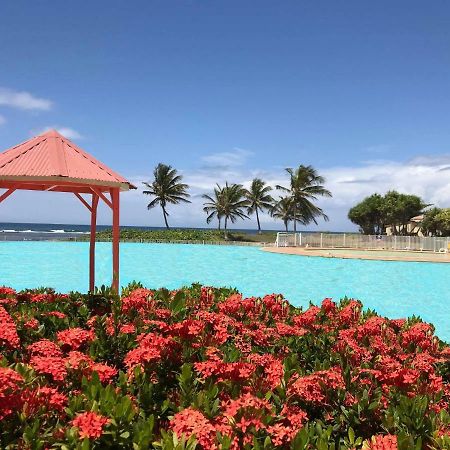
(394, 289)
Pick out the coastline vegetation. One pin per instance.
(186, 235)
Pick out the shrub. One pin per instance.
(204, 368)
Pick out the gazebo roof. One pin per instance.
(51, 158)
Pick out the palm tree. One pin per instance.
(166, 188)
(258, 198)
(282, 209)
(213, 205)
(229, 202)
(305, 186)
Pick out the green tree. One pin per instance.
(305, 186)
(282, 209)
(166, 188)
(443, 219)
(399, 208)
(430, 225)
(436, 222)
(394, 209)
(369, 215)
(229, 203)
(213, 206)
(258, 198)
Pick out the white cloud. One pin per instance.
(235, 158)
(23, 100)
(67, 132)
(2, 120)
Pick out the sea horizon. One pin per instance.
(41, 230)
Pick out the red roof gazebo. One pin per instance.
(50, 162)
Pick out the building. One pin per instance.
(414, 227)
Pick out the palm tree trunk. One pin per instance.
(286, 225)
(220, 221)
(225, 228)
(165, 216)
(295, 218)
(257, 219)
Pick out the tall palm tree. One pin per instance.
(166, 188)
(258, 198)
(234, 204)
(304, 188)
(213, 205)
(282, 209)
(229, 203)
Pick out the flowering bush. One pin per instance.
(205, 368)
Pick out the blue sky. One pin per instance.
(231, 90)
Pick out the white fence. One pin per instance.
(362, 241)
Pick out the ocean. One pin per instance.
(52, 231)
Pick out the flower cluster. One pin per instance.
(211, 369)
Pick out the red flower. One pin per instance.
(75, 338)
(44, 397)
(8, 332)
(90, 425)
(233, 371)
(152, 348)
(105, 372)
(139, 300)
(191, 422)
(78, 361)
(44, 347)
(49, 365)
(127, 328)
(10, 394)
(6, 291)
(308, 318)
(57, 314)
(313, 388)
(31, 324)
(380, 442)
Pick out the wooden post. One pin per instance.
(116, 237)
(92, 242)
(5, 195)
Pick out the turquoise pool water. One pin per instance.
(394, 289)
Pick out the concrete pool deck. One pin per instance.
(377, 255)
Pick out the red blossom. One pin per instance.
(105, 372)
(8, 332)
(90, 425)
(44, 347)
(57, 314)
(139, 300)
(313, 388)
(31, 324)
(49, 365)
(75, 338)
(381, 442)
(10, 391)
(191, 422)
(44, 397)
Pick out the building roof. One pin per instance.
(50, 157)
(417, 219)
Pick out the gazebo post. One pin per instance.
(115, 238)
(92, 242)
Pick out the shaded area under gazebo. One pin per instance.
(50, 162)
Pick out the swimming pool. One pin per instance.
(394, 289)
